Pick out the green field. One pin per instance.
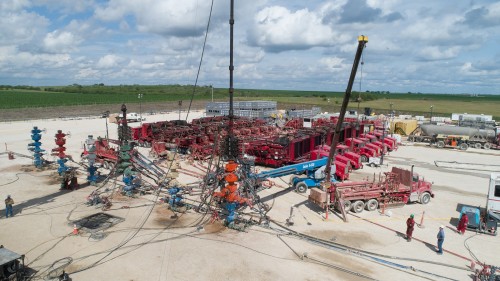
(443, 104)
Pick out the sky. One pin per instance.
(414, 46)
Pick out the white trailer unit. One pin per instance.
(493, 203)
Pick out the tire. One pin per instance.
(347, 206)
(292, 180)
(301, 187)
(463, 146)
(419, 139)
(487, 146)
(105, 165)
(364, 158)
(425, 198)
(371, 205)
(477, 145)
(358, 206)
(440, 144)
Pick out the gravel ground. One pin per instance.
(150, 245)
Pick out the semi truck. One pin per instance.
(477, 137)
(359, 146)
(343, 150)
(392, 143)
(395, 188)
(375, 141)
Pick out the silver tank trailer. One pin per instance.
(473, 133)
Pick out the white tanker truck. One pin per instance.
(477, 138)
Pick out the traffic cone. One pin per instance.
(421, 225)
(383, 209)
(75, 230)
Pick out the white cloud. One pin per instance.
(332, 63)
(66, 6)
(436, 53)
(20, 27)
(279, 29)
(293, 44)
(60, 42)
(87, 73)
(18, 61)
(164, 17)
(109, 61)
(134, 64)
(14, 5)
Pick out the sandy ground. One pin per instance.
(150, 245)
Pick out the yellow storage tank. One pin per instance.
(404, 127)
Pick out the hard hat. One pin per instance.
(441, 226)
(412, 216)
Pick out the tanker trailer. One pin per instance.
(476, 137)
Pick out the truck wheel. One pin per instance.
(425, 198)
(347, 206)
(440, 144)
(477, 145)
(292, 180)
(487, 146)
(301, 187)
(371, 205)
(463, 146)
(358, 206)
(364, 158)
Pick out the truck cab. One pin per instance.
(354, 157)
(325, 150)
(374, 140)
(341, 169)
(377, 150)
(420, 186)
(358, 146)
(389, 141)
(420, 189)
(456, 141)
(343, 150)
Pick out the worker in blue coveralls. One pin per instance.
(440, 237)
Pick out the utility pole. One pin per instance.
(180, 105)
(106, 114)
(392, 119)
(140, 105)
(430, 119)
(211, 86)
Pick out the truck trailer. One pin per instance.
(395, 188)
